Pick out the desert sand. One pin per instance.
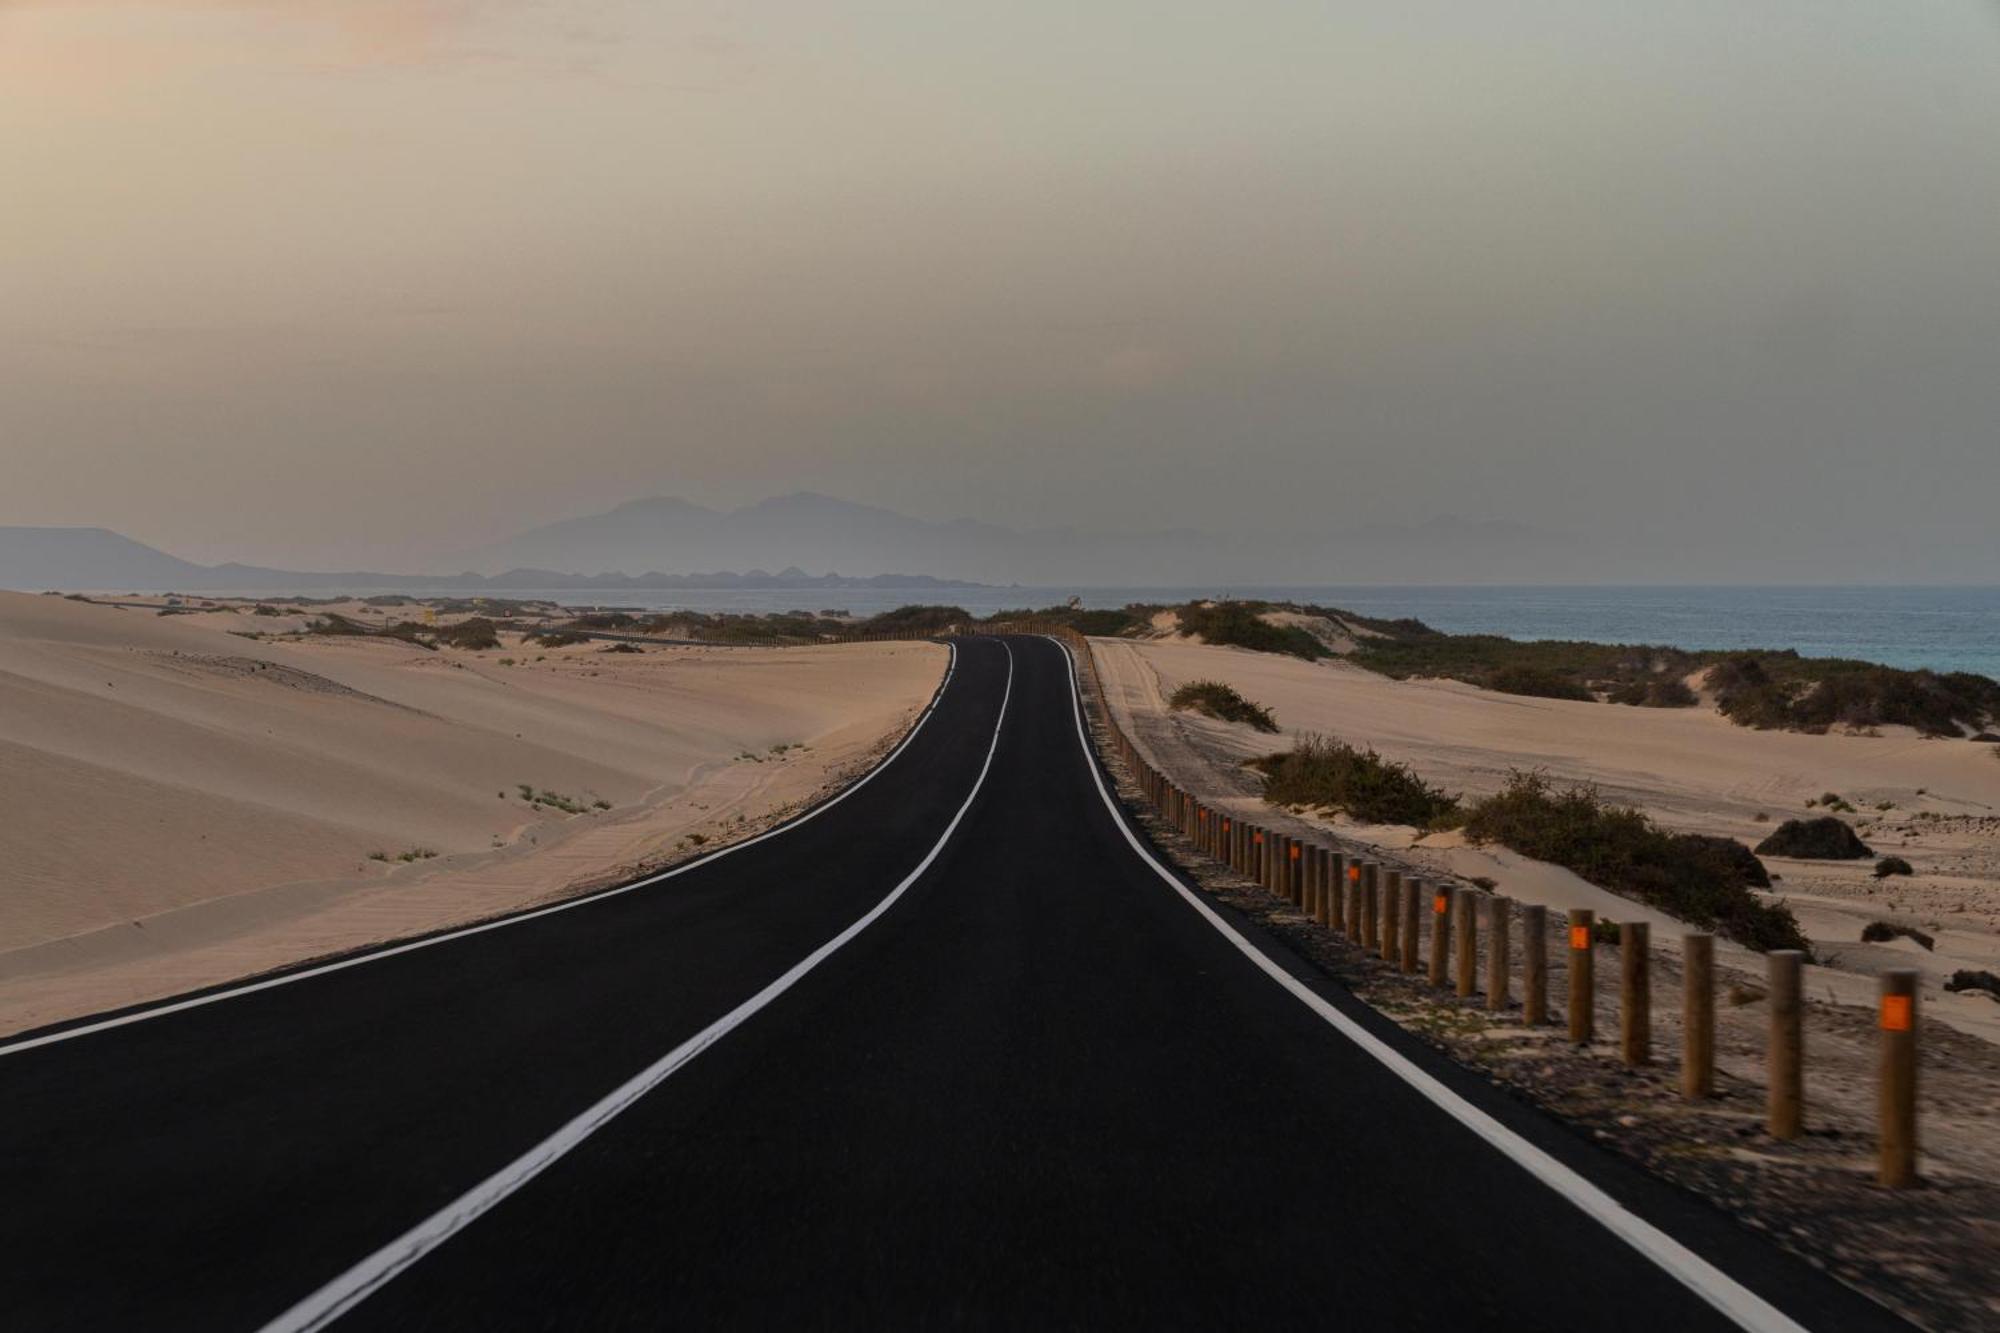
(1691, 769)
(186, 805)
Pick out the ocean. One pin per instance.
(1942, 628)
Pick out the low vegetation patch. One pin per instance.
(1822, 839)
(1320, 773)
(1704, 881)
(557, 638)
(473, 635)
(1881, 932)
(1222, 702)
(1658, 692)
(1241, 625)
(1784, 690)
(917, 620)
(554, 800)
(1537, 683)
(1892, 865)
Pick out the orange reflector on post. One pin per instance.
(1260, 835)
(1295, 851)
(1579, 937)
(1354, 873)
(1895, 1013)
(1441, 904)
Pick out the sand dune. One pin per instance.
(184, 804)
(1691, 769)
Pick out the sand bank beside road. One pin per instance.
(184, 805)
(1691, 769)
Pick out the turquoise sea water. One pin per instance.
(1945, 629)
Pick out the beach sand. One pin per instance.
(184, 805)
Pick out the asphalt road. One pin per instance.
(952, 1051)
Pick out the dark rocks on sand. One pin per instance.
(1967, 979)
(1729, 853)
(1822, 839)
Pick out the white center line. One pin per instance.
(372, 1273)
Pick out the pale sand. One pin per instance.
(184, 806)
(1689, 768)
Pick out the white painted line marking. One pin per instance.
(371, 1274)
(1739, 1303)
(251, 988)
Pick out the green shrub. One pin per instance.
(1323, 773)
(1222, 702)
(1618, 848)
(1238, 625)
(557, 638)
(1892, 865)
(916, 620)
(473, 635)
(1103, 624)
(1659, 692)
(1771, 690)
(1537, 683)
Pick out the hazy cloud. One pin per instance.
(1715, 286)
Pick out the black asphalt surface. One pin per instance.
(1039, 1091)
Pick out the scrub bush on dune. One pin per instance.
(1707, 882)
(1318, 773)
(1220, 701)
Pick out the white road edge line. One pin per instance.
(372, 1273)
(376, 955)
(1739, 1303)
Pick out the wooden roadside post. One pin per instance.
(1468, 942)
(1440, 933)
(1582, 975)
(1534, 964)
(1697, 1016)
(1371, 919)
(1496, 954)
(1350, 901)
(1295, 866)
(1785, 1111)
(1392, 916)
(1329, 885)
(1635, 993)
(1413, 900)
(1897, 1167)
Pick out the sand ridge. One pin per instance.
(187, 805)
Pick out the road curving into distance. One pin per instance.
(953, 1049)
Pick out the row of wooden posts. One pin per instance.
(1381, 909)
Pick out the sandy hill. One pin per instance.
(166, 780)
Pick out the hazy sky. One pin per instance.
(375, 281)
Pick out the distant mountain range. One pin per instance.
(97, 559)
(813, 531)
(627, 547)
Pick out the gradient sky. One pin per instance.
(340, 282)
